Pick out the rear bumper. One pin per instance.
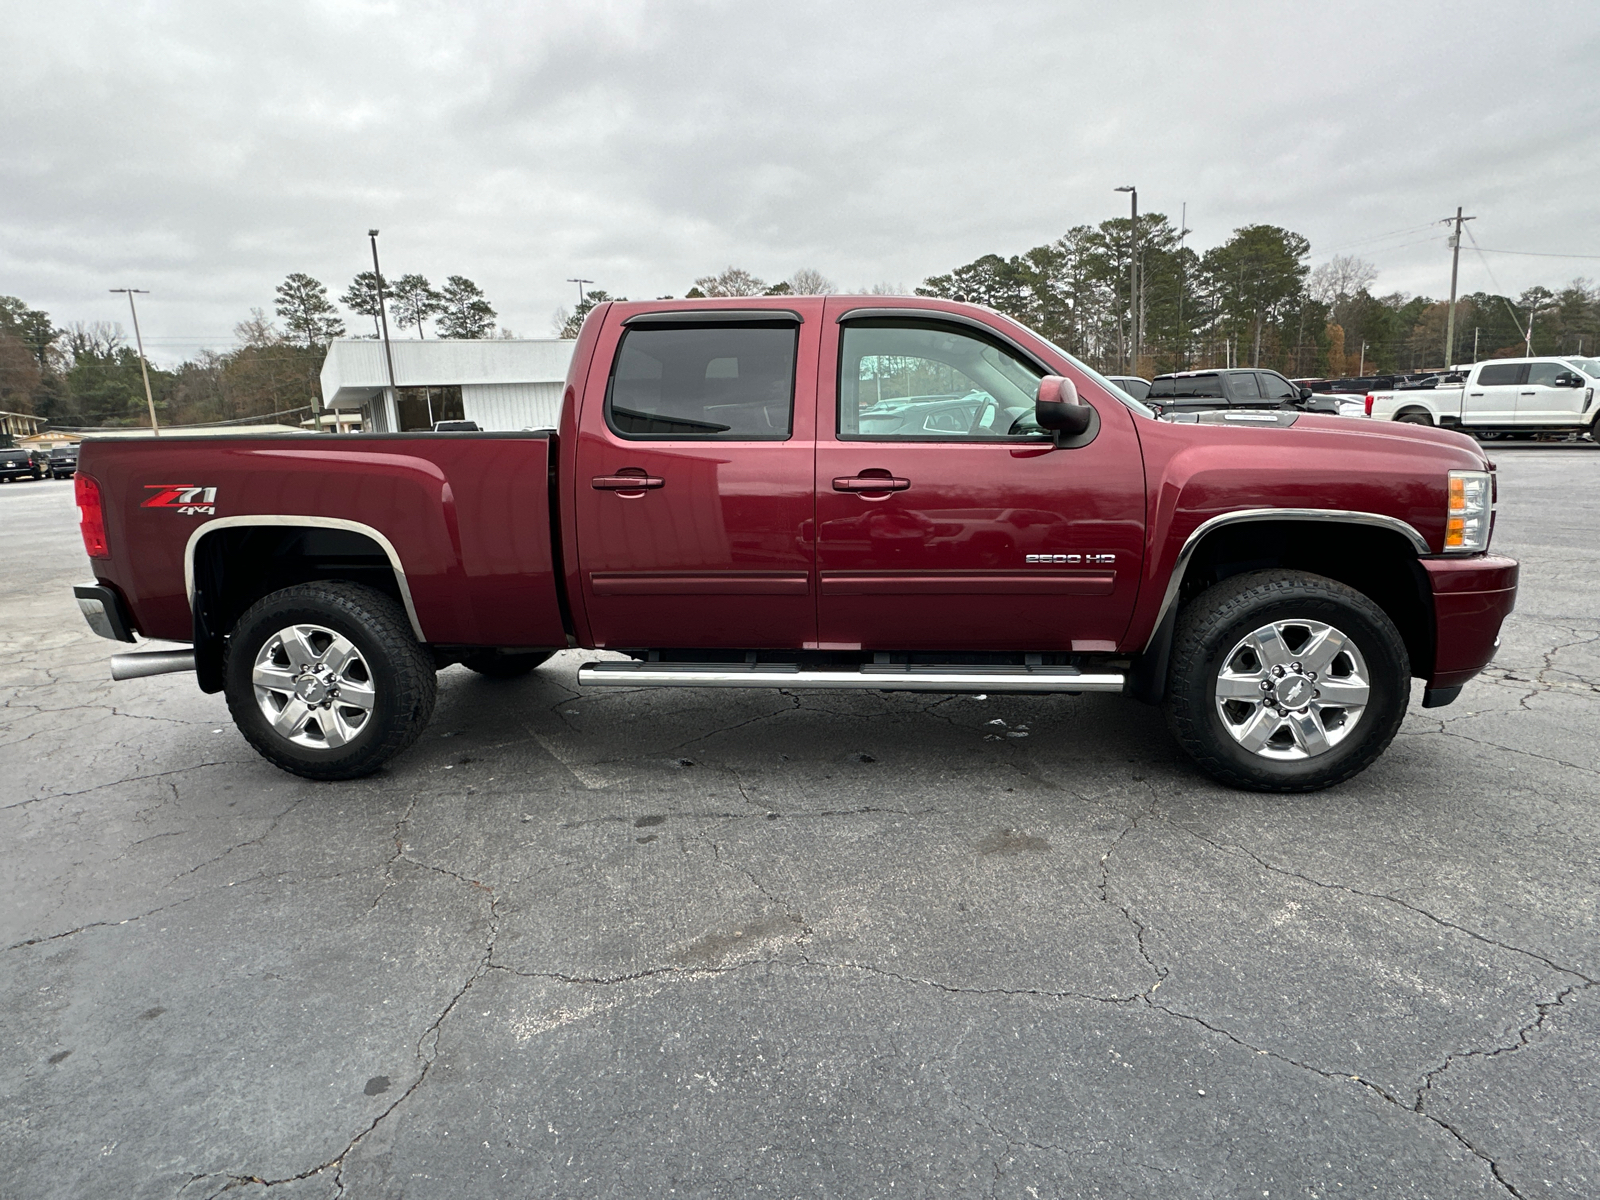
(103, 609)
(1471, 598)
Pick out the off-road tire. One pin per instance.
(495, 665)
(402, 676)
(1212, 625)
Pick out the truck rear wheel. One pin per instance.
(1284, 681)
(326, 680)
(1414, 416)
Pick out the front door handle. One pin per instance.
(870, 483)
(627, 483)
(1530, 393)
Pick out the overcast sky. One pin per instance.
(205, 150)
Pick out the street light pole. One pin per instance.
(1133, 283)
(580, 283)
(144, 369)
(1455, 265)
(388, 352)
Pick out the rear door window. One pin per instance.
(704, 382)
(1502, 374)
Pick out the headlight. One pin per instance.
(1466, 528)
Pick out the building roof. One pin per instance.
(355, 372)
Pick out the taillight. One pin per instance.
(1369, 404)
(92, 523)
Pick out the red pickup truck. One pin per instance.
(818, 492)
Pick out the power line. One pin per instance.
(1534, 253)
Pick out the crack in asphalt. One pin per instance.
(426, 1053)
(56, 937)
(1226, 848)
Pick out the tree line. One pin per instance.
(1252, 301)
(86, 374)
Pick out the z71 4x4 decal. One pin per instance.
(185, 499)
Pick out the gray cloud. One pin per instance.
(205, 150)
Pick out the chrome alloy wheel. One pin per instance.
(313, 686)
(1292, 690)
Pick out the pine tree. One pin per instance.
(412, 301)
(361, 297)
(464, 312)
(306, 311)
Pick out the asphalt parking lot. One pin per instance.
(730, 945)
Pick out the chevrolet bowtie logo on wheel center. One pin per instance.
(1070, 560)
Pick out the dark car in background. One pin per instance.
(63, 462)
(17, 463)
(1135, 385)
(1233, 388)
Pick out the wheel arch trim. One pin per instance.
(1330, 516)
(287, 521)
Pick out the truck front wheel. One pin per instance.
(326, 680)
(1284, 681)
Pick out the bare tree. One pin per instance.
(1340, 277)
(807, 282)
(733, 281)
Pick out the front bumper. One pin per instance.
(1471, 598)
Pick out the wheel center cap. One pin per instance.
(1294, 691)
(311, 689)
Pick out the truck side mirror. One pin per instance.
(1306, 393)
(1058, 409)
(1569, 379)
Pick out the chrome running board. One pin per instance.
(872, 676)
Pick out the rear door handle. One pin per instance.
(1530, 393)
(870, 483)
(626, 483)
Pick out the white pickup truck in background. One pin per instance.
(1504, 397)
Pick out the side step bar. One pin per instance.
(151, 662)
(874, 677)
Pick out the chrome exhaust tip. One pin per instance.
(151, 662)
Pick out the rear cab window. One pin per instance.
(1188, 387)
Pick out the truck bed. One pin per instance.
(463, 518)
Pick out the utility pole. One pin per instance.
(144, 368)
(580, 283)
(388, 352)
(1527, 346)
(1133, 283)
(1455, 266)
(1183, 286)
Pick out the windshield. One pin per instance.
(1589, 366)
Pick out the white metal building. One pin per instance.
(501, 383)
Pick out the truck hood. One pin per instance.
(1418, 436)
